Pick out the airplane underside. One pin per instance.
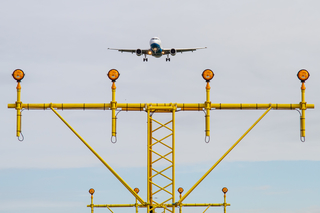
(156, 56)
(155, 51)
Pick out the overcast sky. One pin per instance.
(255, 49)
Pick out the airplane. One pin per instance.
(156, 50)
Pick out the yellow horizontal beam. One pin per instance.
(168, 205)
(143, 106)
(116, 205)
(203, 204)
(258, 106)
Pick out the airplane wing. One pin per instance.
(181, 50)
(145, 51)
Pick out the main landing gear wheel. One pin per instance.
(167, 59)
(145, 59)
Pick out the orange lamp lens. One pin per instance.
(91, 191)
(207, 74)
(113, 74)
(180, 190)
(303, 75)
(224, 190)
(136, 190)
(18, 75)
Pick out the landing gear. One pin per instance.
(145, 58)
(167, 59)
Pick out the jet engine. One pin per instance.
(173, 52)
(139, 52)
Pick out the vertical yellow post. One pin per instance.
(92, 211)
(208, 107)
(113, 108)
(180, 190)
(173, 156)
(136, 205)
(207, 75)
(91, 191)
(303, 113)
(18, 108)
(225, 190)
(18, 75)
(225, 203)
(303, 75)
(136, 191)
(113, 75)
(149, 166)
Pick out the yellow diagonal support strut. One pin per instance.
(98, 156)
(214, 166)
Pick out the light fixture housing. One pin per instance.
(136, 190)
(113, 75)
(18, 75)
(91, 191)
(303, 75)
(207, 75)
(224, 190)
(180, 190)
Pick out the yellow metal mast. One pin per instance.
(167, 158)
(160, 163)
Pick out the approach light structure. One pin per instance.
(160, 139)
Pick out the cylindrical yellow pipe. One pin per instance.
(303, 113)
(203, 204)
(141, 106)
(225, 203)
(92, 204)
(113, 108)
(136, 205)
(18, 108)
(208, 108)
(173, 156)
(115, 205)
(149, 158)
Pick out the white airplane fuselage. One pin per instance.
(155, 47)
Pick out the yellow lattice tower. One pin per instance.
(161, 178)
